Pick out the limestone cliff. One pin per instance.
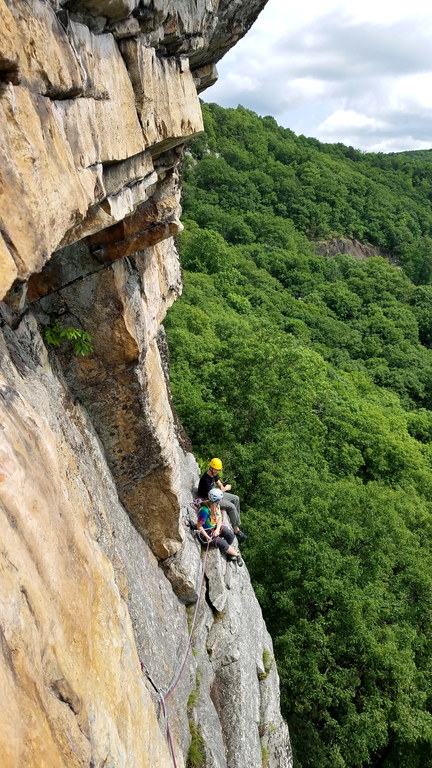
(98, 571)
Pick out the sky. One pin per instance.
(355, 71)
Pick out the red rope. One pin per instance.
(165, 714)
(178, 674)
(168, 733)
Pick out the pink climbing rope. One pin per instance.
(165, 713)
(178, 673)
(168, 733)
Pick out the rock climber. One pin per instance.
(230, 502)
(210, 528)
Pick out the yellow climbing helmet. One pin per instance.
(216, 464)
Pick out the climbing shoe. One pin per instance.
(241, 536)
(239, 560)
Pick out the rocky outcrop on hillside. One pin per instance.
(99, 574)
(354, 247)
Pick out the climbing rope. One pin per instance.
(179, 671)
(164, 711)
(162, 696)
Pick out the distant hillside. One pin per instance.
(311, 376)
(250, 165)
(424, 155)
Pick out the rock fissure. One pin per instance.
(35, 288)
(9, 71)
(61, 689)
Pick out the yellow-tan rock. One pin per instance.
(8, 268)
(55, 147)
(165, 95)
(123, 384)
(41, 192)
(83, 602)
(69, 665)
(41, 55)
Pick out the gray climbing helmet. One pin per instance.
(215, 495)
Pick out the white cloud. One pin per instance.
(412, 92)
(362, 70)
(308, 87)
(343, 119)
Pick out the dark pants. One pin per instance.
(223, 541)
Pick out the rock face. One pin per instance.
(354, 247)
(83, 601)
(68, 649)
(98, 572)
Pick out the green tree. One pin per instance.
(312, 378)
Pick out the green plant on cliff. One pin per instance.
(195, 757)
(56, 334)
(267, 664)
(193, 696)
(311, 377)
(265, 754)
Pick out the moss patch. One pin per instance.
(195, 758)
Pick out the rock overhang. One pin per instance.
(121, 80)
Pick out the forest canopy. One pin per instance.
(311, 377)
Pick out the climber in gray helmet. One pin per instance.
(210, 528)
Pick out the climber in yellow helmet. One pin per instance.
(230, 502)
